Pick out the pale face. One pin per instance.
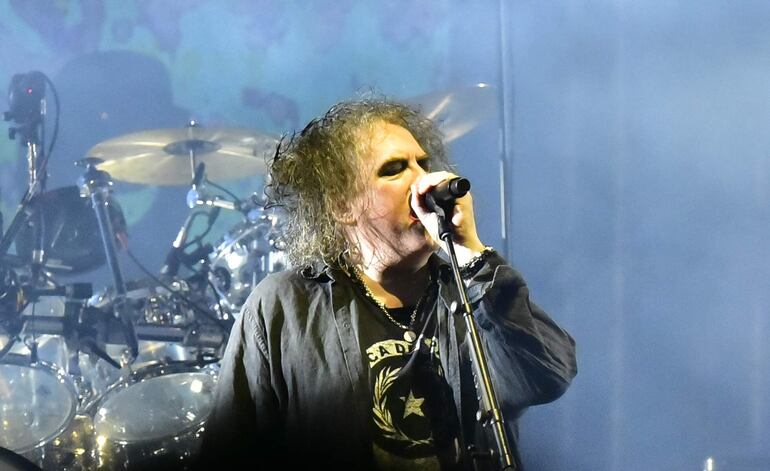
(385, 226)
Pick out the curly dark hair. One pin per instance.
(316, 171)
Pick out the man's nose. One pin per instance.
(418, 172)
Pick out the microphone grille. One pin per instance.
(459, 186)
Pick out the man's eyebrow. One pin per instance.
(403, 156)
(393, 158)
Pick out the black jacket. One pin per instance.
(293, 385)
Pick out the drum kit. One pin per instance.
(124, 378)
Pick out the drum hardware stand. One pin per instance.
(96, 184)
(198, 196)
(93, 329)
(76, 326)
(10, 301)
(89, 336)
(489, 414)
(84, 338)
(191, 147)
(27, 102)
(78, 330)
(26, 98)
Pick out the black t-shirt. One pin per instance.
(413, 416)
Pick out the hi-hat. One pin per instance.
(458, 111)
(165, 156)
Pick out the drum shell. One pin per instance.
(121, 444)
(173, 453)
(247, 253)
(72, 450)
(22, 413)
(10, 461)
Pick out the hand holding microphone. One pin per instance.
(443, 191)
(444, 195)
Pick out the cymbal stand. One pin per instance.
(96, 185)
(192, 148)
(489, 415)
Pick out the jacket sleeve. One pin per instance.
(530, 358)
(245, 405)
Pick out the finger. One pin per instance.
(417, 203)
(457, 218)
(430, 180)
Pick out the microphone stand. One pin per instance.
(28, 115)
(196, 196)
(27, 110)
(489, 414)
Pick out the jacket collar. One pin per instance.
(325, 273)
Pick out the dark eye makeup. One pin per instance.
(392, 167)
(396, 166)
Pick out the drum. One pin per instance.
(153, 418)
(10, 461)
(37, 403)
(70, 451)
(47, 394)
(87, 373)
(248, 252)
(70, 231)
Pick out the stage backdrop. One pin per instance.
(628, 143)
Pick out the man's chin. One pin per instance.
(417, 241)
(416, 257)
(429, 246)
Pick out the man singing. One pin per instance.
(352, 359)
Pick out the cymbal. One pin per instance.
(162, 156)
(458, 111)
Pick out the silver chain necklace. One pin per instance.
(409, 334)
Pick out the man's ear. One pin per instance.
(344, 214)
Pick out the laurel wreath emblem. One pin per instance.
(382, 417)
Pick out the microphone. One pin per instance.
(443, 195)
(173, 258)
(441, 199)
(26, 99)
